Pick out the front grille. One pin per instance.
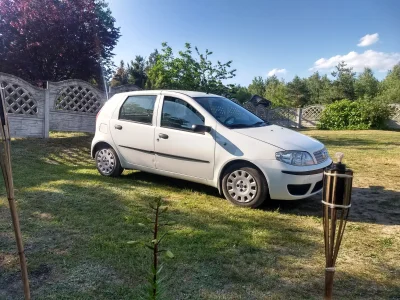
(321, 156)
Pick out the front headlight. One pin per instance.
(295, 158)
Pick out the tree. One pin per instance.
(315, 88)
(298, 92)
(137, 71)
(152, 59)
(275, 91)
(344, 82)
(328, 91)
(390, 87)
(56, 39)
(121, 75)
(241, 93)
(366, 85)
(185, 72)
(257, 86)
(211, 76)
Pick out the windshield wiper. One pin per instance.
(240, 125)
(259, 123)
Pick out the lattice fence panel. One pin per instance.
(278, 116)
(262, 112)
(250, 107)
(79, 99)
(282, 116)
(18, 100)
(395, 112)
(236, 101)
(292, 114)
(312, 113)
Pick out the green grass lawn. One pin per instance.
(76, 225)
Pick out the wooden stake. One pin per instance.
(328, 284)
(5, 163)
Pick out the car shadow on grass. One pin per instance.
(375, 205)
(173, 183)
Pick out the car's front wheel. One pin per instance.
(245, 185)
(107, 162)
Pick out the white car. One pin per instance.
(207, 139)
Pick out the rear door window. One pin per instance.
(138, 109)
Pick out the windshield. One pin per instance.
(229, 113)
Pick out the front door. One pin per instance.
(178, 149)
(132, 129)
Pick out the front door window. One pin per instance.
(179, 114)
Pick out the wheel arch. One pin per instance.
(98, 145)
(238, 161)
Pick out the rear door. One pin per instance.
(178, 149)
(132, 129)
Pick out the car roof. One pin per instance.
(192, 93)
(187, 93)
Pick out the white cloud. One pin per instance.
(276, 71)
(379, 61)
(368, 40)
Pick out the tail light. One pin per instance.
(98, 113)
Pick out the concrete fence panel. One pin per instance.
(25, 106)
(310, 115)
(394, 121)
(73, 105)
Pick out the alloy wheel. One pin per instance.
(105, 161)
(241, 186)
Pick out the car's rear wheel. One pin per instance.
(244, 185)
(108, 163)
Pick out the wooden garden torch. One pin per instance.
(336, 205)
(5, 163)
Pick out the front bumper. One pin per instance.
(288, 182)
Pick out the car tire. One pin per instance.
(245, 186)
(107, 162)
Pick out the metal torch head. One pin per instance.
(338, 183)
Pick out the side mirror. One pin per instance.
(201, 128)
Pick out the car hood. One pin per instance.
(283, 138)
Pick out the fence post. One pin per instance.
(46, 111)
(299, 116)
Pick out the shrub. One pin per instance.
(346, 114)
(376, 113)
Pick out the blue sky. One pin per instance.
(285, 37)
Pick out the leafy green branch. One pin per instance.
(155, 226)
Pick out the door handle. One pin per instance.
(119, 127)
(163, 136)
